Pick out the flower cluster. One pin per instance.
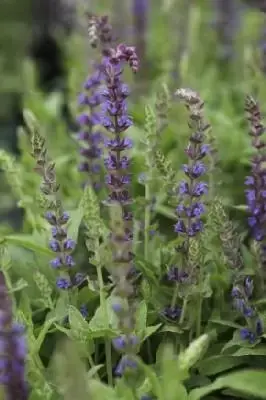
(116, 121)
(190, 209)
(90, 137)
(173, 277)
(242, 295)
(171, 312)
(127, 343)
(62, 246)
(56, 217)
(174, 274)
(256, 183)
(12, 349)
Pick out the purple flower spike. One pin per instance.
(55, 214)
(256, 183)
(61, 244)
(100, 33)
(190, 209)
(13, 350)
(116, 121)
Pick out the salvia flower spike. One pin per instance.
(60, 244)
(256, 182)
(191, 190)
(13, 350)
(116, 121)
(242, 296)
(90, 136)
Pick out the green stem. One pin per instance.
(147, 221)
(182, 319)
(108, 345)
(9, 286)
(108, 353)
(149, 351)
(175, 295)
(184, 310)
(199, 312)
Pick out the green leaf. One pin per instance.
(148, 270)
(25, 308)
(74, 223)
(79, 331)
(150, 330)
(152, 378)
(94, 370)
(29, 242)
(124, 391)
(248, 260)
(61, 308)
(19, 285)
(99, 326)
(87, 294)
(66, 331)
(100, 391)
(173, 389)
(39, 341)
(241, 207)
(144, 388)
(78, 324)
(172, 377)
(225, 323)
(237, 341)
(217, 364)
(171, 329)
(166, 212)
(248, 382)
(190, 356)
(69, 372)
(259, 350)
(141, 319)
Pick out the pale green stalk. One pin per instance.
(103, 303)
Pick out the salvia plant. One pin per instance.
(143, 277)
